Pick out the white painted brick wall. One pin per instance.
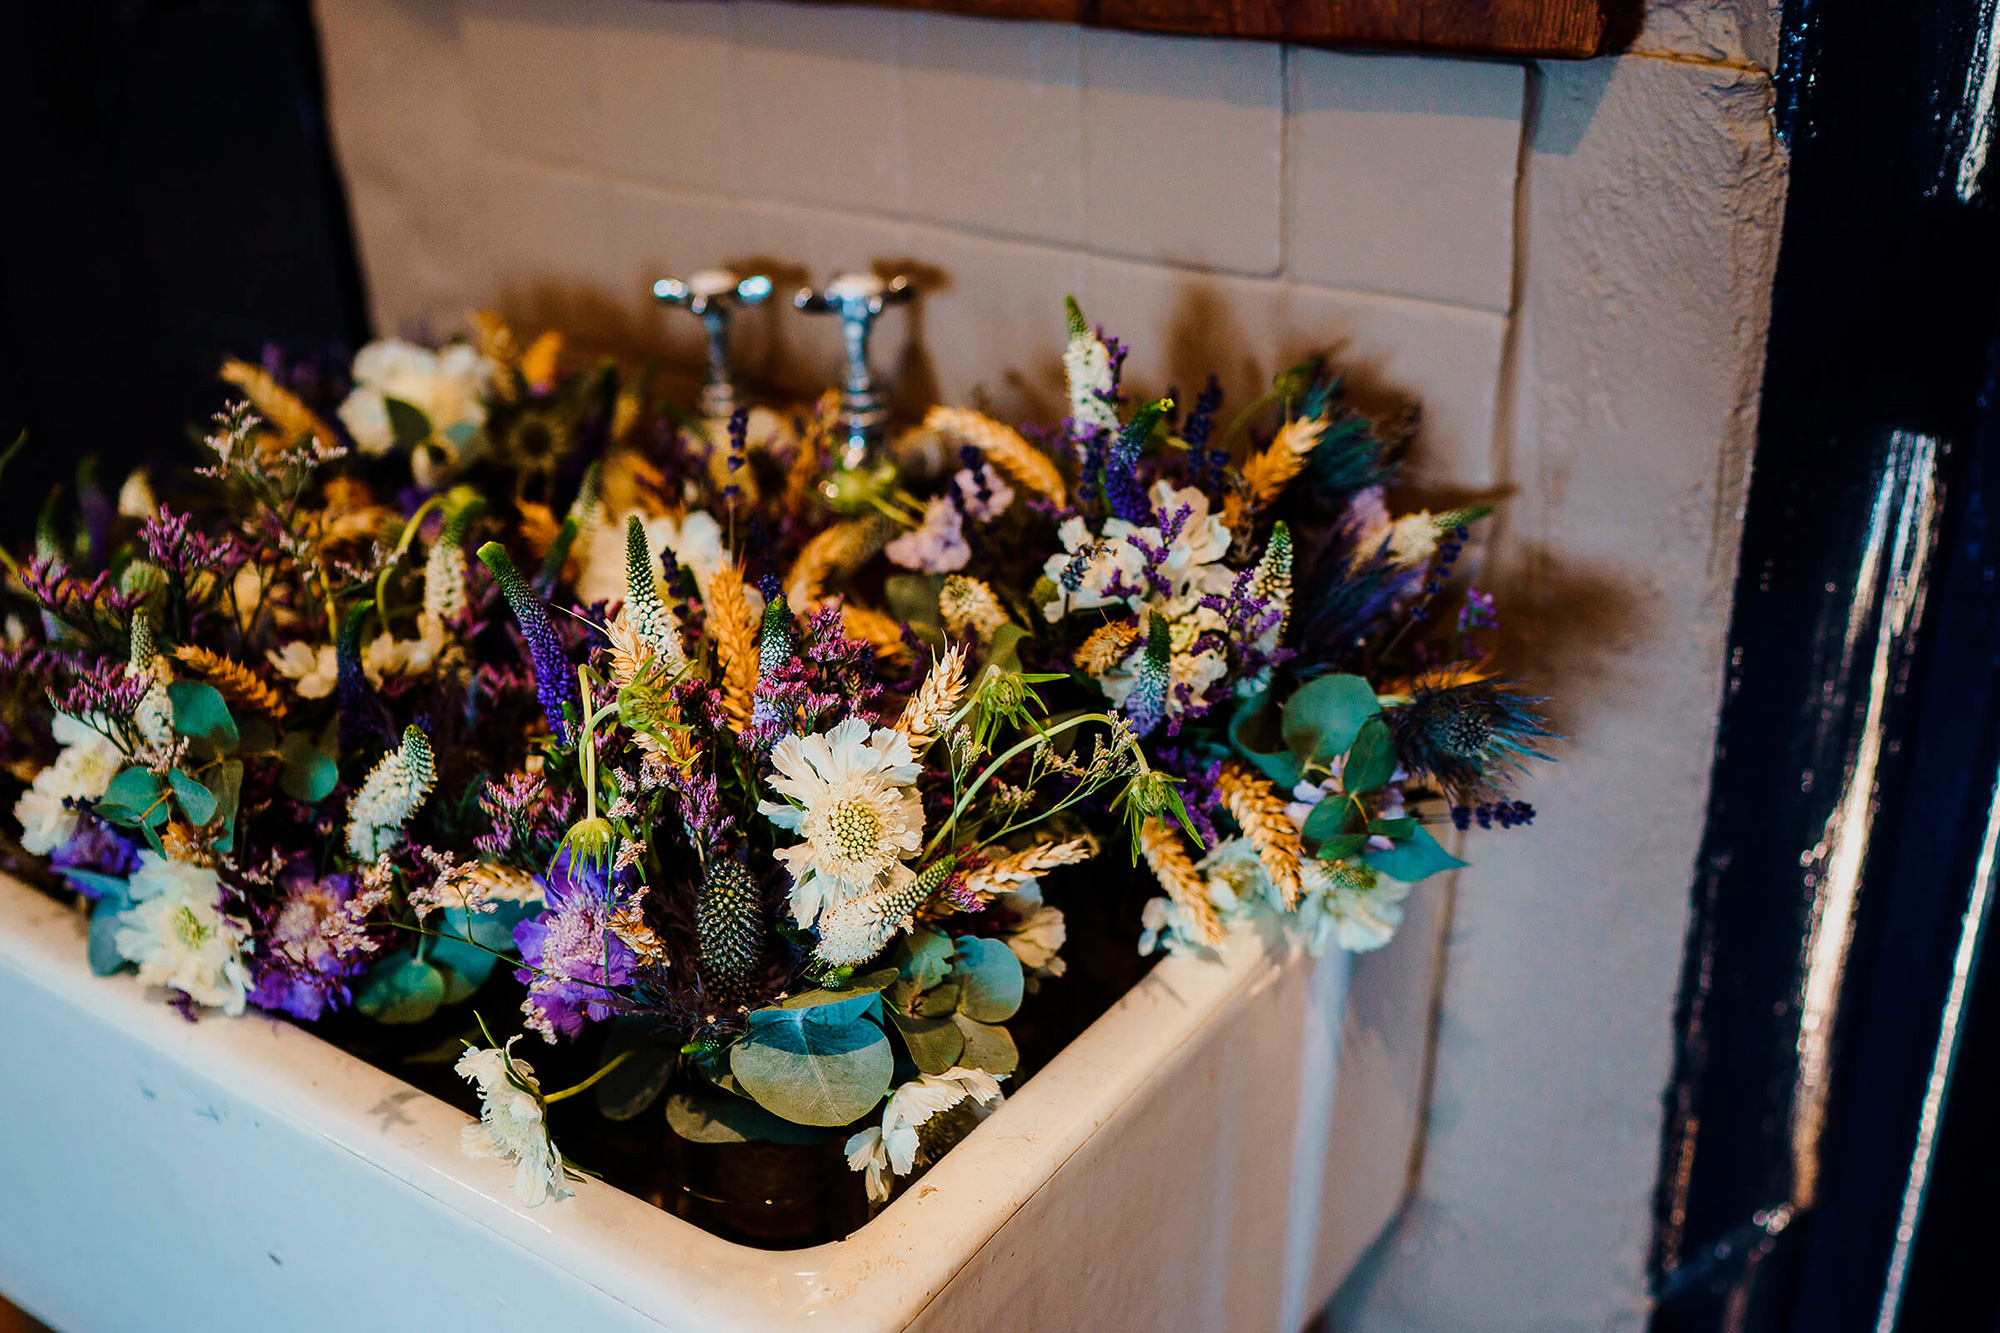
(1567, 265)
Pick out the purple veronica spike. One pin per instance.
(555, 680)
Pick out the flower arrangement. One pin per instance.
(755, 764)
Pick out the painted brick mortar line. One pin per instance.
(597, 176)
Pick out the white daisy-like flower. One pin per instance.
(81, 772)
(1348, 903)
(1088, 567)
(178, 934)
(312, 669)
(892, 1146)
(850, 793)
(388, 656)
(512, 1125)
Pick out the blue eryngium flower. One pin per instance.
(1466, 732)
(555, 678)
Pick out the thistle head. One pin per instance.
(1466, 732)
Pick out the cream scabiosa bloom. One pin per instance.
(312, 669)
(849, 792)
(512, 1125)
(81, 772)
(179, 936)
(892, 1146)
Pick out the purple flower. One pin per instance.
(573, 959)
(95, 847)
(308, 945)
(555, 676)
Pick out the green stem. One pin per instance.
(402, 549)
(549, 1098)
(1041, 737)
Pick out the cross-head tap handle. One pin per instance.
(713, 294)
(857, 298)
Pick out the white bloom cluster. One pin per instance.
(390, 794)
(1346, 903)
(445, 386)
(893, 1145)
(850, 792)
(178, 934)
(1087, 365)
(312, 669)
(936, 547)
(696, 539)
(444, 582)
(1114, 573)
(88, 762)
(512, 1125)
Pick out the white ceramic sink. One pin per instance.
(1211, 1153)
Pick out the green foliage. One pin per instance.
(135, 798)
(935, 1044)
(309, 773)
(923, 956)
(1414, 858)
(720, 1117)
(197, 800)
(1324, 716)
(400, 989)
(987, 1047)
(820, 1062)
(201, 715)
(991, 979)
(1371, 760)
(411, 425)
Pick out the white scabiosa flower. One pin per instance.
(1039, 930)
(892, 1147)
(313, 670)
(850, 792)
(512, 1124)
(178, 934)
(393, 790)
(88, 762)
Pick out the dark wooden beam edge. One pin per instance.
(1550, 29)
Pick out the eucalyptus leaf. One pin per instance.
(409, 422)
(1254, 731)
(200, 713)
(1342, 846)
(465, 968)
(940, 1001)
(197, 800)
(134, 796)
(105, 888)
(400, 989)
(1324, 715)
(638, 1079)
(1393, 828)
(226, 783)
(309, 773)
(987, 1047)
(914, 597)
(934, 1043)
(823, 1065)
(992, 979)
(1371, 760)
(256, 735)
(860, 987)
(1415, 857)
(719, 1117)
(926, 957)
(1327, 819)
(103, 951)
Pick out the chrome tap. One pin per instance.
(858, 298)
(714, 294)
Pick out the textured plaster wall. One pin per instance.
(1568, 264)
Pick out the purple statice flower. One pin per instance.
(573, 960)
(103, 689)
(309, 944)
(95, 847)
(70, 599)
(1478, 612)
(555, 676)
(526, 818)
(174, 544)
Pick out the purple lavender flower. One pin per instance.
(309, 945)
(555, 677)
(1478, 612)
(573, 959)
(1122, 489)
